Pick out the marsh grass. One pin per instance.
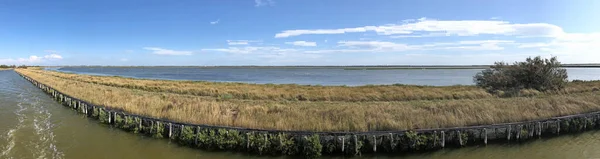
(325, 115)
(289, 92)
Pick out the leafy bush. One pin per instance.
(535, 73)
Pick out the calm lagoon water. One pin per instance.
(309, 76)
(32, 125)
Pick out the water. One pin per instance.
(310, 76)
(32, 125)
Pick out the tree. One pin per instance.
(534, 73)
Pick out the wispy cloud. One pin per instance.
(302, 43)
(425, 26)
(241, 42)
(161, 51)
(215, 22)
(253, 50)
(123, 60)
(260, 3)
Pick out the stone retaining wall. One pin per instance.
(315, 144)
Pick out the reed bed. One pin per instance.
(320, 115)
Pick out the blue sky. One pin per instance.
(296, 32)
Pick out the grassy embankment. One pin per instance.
(319, 108)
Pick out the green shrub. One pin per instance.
(535, 73)
(103, 116)
(158, 130)
(312, 147)
(95, 112)
(187, 136)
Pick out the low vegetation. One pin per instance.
(534, 73)
(291, 92)
(265, 107)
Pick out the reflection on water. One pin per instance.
(34, 126)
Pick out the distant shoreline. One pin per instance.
(350, 67)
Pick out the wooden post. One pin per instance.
(443, 139)
(391, 141)
(247, 141)
(558, 127)
(460, 141)
(374, 143)
(170, 130)
(508, 132)
(539, 129)
(485, 134)
(584, 123)
(355, 143)
(343, 143)
(435, 139)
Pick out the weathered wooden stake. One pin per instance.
(355, 143)
(443, 139)
(374, 144)
(539, 129)
(435, 139)
(248, 141)
(519, 130)
(485, 136)
(558, 127)
(170, 130)
(391, 141)
(508, 132)
(584, 123)
(460, 141)
(343, 143)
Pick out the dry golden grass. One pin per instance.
(284, 92)
(323, 115)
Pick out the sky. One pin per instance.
(296, 32)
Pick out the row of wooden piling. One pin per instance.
(314, 144)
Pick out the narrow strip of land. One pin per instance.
(319, 115)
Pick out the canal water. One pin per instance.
(32, 125)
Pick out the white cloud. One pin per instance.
(215, 22)
(253, 50)
(32, 59)
(161, 51)
(302, 43)
(385, 46)
(429, 27)
(260, 3)
(123, 60)
(240, 42)
(53, 56)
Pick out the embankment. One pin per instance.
(314, 144)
